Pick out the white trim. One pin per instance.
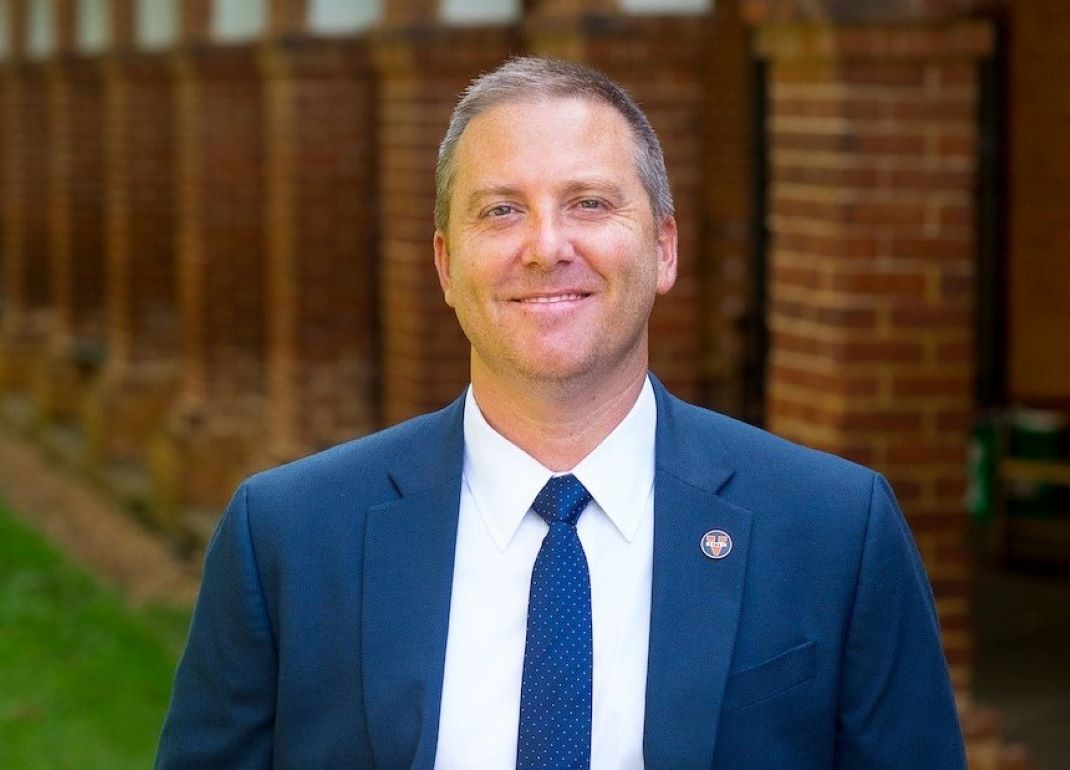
(479, 11)
(155, 24)
(342, 17)
(40, 29)
(93, 25)
(238, 21)
(5, 29)
(677, 7)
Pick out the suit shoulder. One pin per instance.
(358, 468)
(757, 454)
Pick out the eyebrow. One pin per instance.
(601, 184)
(492, 191)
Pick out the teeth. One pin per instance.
(555, 298)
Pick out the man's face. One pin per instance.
(552, 257)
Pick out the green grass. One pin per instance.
(84, 680)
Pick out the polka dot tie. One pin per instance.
(555, 694)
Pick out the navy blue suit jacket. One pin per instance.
(318, 640)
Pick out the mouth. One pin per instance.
(550, 299)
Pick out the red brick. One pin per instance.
(884, 421)
(956, 145)
(923, 316)
(825, 382)
(939, 249)
(907, 283)
(890, 75)
(930, 386)
(789, 275)
(860, 318)
(926, 455)
(795, 343)
(866, 351)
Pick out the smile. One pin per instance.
(571, 297)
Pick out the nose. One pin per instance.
(548, 242)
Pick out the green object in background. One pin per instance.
(980, 492)
(84, 680)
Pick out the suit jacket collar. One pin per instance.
(408, 571)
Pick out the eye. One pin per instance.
(499, 210)
(592, 204)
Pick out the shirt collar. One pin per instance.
(503, 479)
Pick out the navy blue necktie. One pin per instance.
(555, 695)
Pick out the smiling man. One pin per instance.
(567, 567)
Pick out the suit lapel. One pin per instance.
(408, 574)
(695, 600)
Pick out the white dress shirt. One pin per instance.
(498, 537)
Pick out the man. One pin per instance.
(567, 567)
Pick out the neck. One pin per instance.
(557, 424)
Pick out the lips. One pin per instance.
(549, 299)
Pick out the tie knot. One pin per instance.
(562, 499)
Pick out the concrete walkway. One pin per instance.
(90, 528)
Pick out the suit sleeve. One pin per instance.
(896, 704)
(223, 704)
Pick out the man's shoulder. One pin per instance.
(363, 466)
(758, 456)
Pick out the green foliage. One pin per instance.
(84, 680)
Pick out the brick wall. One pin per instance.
(10, 98)
(322, 244)
(139, 379)
(220, 217)
(861, 11)
(26, 261)
(77, 197)
(217, 420)
(76, 233)
(5, 170)
(30, 280)
(141, 215)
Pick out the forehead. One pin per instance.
(546, 134)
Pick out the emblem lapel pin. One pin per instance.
(716, 544)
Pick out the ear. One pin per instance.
(666, 254)
(442, 265)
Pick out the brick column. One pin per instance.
(27, 312)
(322, 245)
(217, 420)
(76, 239)
(6, 77)
(422, 69)
(128, 402)
(661, 61)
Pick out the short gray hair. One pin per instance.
(529, 78)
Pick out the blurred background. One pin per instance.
(215, 256)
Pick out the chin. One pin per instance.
(556, 369)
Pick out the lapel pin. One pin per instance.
(716, 544)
